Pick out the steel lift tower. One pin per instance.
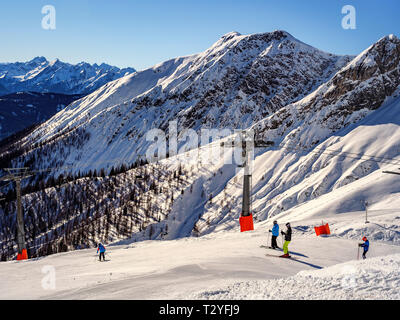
(248, 143)
(17, 175)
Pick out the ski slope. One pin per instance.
(225, 264)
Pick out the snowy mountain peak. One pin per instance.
(389, 37)
(38, 60)
(388, 45)
(234, 38)
(53, 62)
(276, 35)
(381, 62)
(231, 35)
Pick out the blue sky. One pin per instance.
(142, 33)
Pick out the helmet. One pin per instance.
(364, 239)
(275, 221)
(288, 224)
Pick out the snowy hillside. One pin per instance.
(223, 265)
(344, 171)
(241, 79)
(41, 75)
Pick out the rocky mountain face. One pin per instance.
(357, 89)
(40, 75)
(257, 75)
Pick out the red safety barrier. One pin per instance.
(23, 255)
(246, 223)
(322, 230)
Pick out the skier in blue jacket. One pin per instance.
(364, 245)
(275, 234)
(102, 250)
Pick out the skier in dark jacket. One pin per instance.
(275, 234)
(102, 250)
(364, 245)
(288, 238)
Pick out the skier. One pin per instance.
(364, 245)
(102, 250)
(275, 234)
(288, 238)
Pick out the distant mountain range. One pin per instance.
(32, 92)
(41, 75)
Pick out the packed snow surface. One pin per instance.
(377, 279)
(222, 265)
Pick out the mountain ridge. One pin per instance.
(237, 81)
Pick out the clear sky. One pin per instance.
(141, 33)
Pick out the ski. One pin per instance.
(275, 256)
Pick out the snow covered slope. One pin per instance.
(40, 75)
(229, 265)
(376, 279)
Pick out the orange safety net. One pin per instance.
(246, 223)
(322, 230)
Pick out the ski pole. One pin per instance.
(358, 253)
(270, 239)
(269, 236)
